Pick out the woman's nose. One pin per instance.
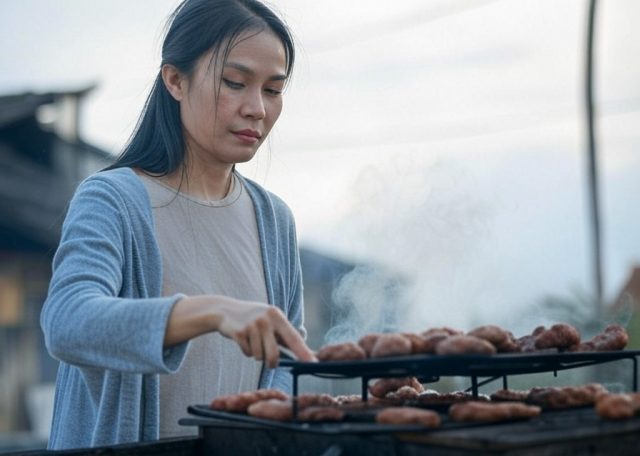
(253, 105)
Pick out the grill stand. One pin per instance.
(634, 381)
(487, 365)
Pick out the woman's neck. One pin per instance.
(202, 182)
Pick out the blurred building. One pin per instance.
(42, 159)
(627, 305)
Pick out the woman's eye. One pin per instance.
(232, 84)
(273, 91)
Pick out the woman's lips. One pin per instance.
(247, 136)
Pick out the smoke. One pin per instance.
(427, 226)
(459, 248)
(577, 309)
(366, 300)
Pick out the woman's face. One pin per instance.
(228, 127)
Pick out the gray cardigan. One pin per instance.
(105, 318)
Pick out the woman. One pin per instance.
(167, 257)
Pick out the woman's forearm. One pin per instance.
(191, 317)
(256, 327)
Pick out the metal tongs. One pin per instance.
(286, 353)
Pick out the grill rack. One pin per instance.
(429, 368)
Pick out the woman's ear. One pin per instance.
(173, 81)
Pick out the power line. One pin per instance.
(390, 136)
(400, 23)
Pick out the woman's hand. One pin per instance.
(257, 328)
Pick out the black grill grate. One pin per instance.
(574, 431)
(432, 367)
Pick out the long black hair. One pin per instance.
(157, 144)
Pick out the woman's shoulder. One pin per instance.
(116, 176)
(123, 180)
(264, 198)
(119, 187)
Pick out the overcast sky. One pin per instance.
(442, 139)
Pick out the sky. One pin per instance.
(443, 140)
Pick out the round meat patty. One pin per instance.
(432, 340)
(404, 393)
(367, 342)
(502, 339)
(560, 336)
(445, 329)
(381, 387)
(391, 345)
(419, 343)
(614, 337)
(465, 345)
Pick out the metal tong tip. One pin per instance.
(287, 353)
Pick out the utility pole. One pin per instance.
(593, 166)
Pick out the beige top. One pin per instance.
(208, 247)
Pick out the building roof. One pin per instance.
(39, 170)
(17, 107)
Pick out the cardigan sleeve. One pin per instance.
(103, 308)
(295, 307)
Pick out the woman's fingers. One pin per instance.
(255, 340)
(259, 328)
(292, 338)
(243, 341)
(271, 352)
(261, 341)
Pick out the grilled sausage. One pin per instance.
(239, 403)
(434, 398)
(408, 415)
(347, 351)
(264, 394)
(614, 337)
(618, 406)
(313, 399)
(565, 397)
(272, 409)
(490, 412)
(319, 413)
(508, 395)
